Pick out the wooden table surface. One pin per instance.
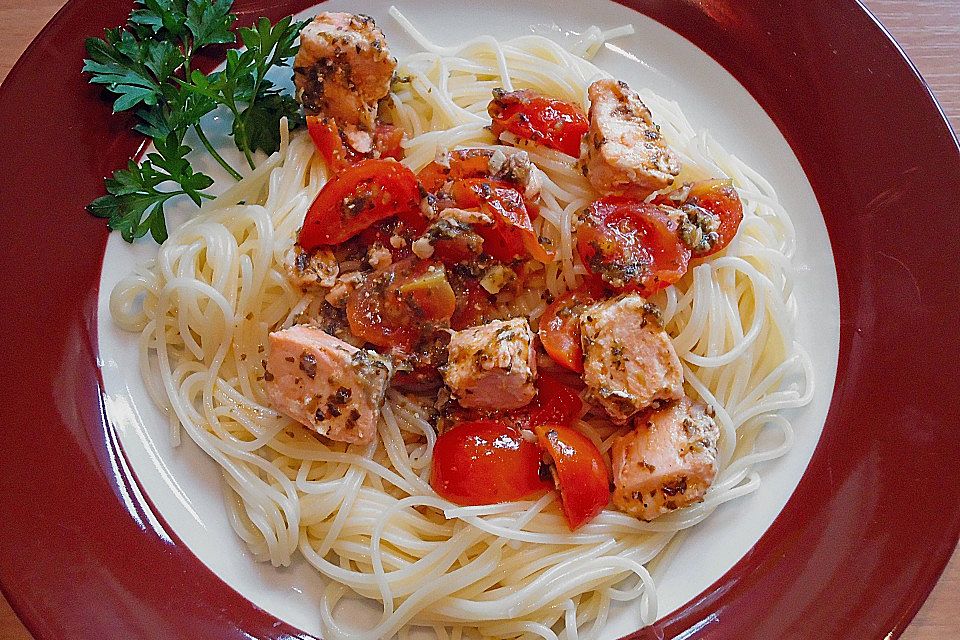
(929, 31)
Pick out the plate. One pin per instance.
(185, 486)
(852, 554)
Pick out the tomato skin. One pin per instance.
(474, 305)
(528, 115)
(511, 235)
(556, 402)
(451, 252)
(394, 308)
(464, 163)
(631, 245)
(721, 199)
(388, 141)
(580, 472)
(376, 189)
(717, 197)
(560, 327)
(485, 462)
(328, 139)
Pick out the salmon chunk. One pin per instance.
(625, 152)
(326, 384)
(628, 359)
(343, 68)
(666, 462)
(492, 366)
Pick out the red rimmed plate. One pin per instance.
(852, 554)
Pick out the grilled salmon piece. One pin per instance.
(666, 462)
(628, 360)
(326, 384)
(625, 153)
(343, 68)
(492, 366)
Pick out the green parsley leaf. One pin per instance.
(271, 45)
(134, 70)
(258, 126)
(147, 65)
(181, 109)
(134, 204)
(163, 18)
(267, 46)
(209, 21)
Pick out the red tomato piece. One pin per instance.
(451, 251)
(474, 305)
(381, 232)
(556, 402)
(528, 115)
(581, 474)
(420, 380)
(395, 307)
(388, 141)
(485, 462)
(328, 138)
(353, 200)
(512, 235)
(715, 197)
(421, 371)
(560, 325)
(721, 199)
(464, 163)
(631, 245)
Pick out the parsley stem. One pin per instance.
(241, 134)
(216, 156)
(246, 152)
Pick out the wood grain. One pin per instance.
(928, 30)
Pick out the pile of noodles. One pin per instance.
(365, 516)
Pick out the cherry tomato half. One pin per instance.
(361, 195)
(528, 115)
(716, 198)
(560, 326)
(474, 305)
(464, 163)
(512, 235)
(394, 307)
(485, 462)
(721, 199)
(328, 138)
(581, 474)
(469, 163)
(556, 402)
(631, 245)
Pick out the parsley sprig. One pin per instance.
(147, 64)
